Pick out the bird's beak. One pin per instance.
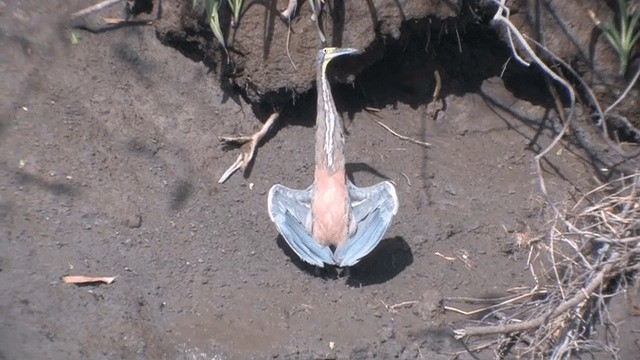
(343, 51)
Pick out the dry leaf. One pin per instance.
(87, 279)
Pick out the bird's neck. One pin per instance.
(329, 130)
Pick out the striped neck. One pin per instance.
(329, 131)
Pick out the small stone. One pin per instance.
(134, 222)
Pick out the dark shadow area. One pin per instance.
(195, 40)
(545, 124)
(337, 14)
(464, 51)
(463, 57)
(140, 64)
(352, 168)
(189, 48)
(54, 187)
(388, 71)
(621, 130)
(404, 73)
(142, 6)
(182, 191)
(99, 28)
(5, 209)
(385, 262)
(606, 162)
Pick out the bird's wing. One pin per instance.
(372, 209)
(290, 210)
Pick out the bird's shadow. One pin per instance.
(355, 167)
(385, 262)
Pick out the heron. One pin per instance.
(332, 221)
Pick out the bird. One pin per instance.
(332, 221)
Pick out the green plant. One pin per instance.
(212, 7)
(74, 38)
(236, 6)
(624, 35)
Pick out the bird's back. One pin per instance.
(329, 207)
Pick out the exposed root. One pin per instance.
(287, 14)
(405, 138)
(288, 52)
(248, 145)
(435, 98)
(316, 8)
(502, 17)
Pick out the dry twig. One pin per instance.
(249, 145)
(405, 138)
(87, 279)
(94, 8)
(586, 264)
(394, 308)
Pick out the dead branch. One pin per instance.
(249, 145)
(604, 246)
(579, 297)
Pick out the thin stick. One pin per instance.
(580, 296)
(404, 304)
(405, 138)
(406, 178)
(590, 92)
(116, 21)
(513, 30)
(91, 9)
(626, 91)
(288, 53)
(438, 87)
(393, 308)
(477, 311)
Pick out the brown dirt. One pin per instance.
(109, 161)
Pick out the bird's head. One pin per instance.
(329, 53)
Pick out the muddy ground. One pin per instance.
(109, 161)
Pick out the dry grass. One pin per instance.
(590, 255)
